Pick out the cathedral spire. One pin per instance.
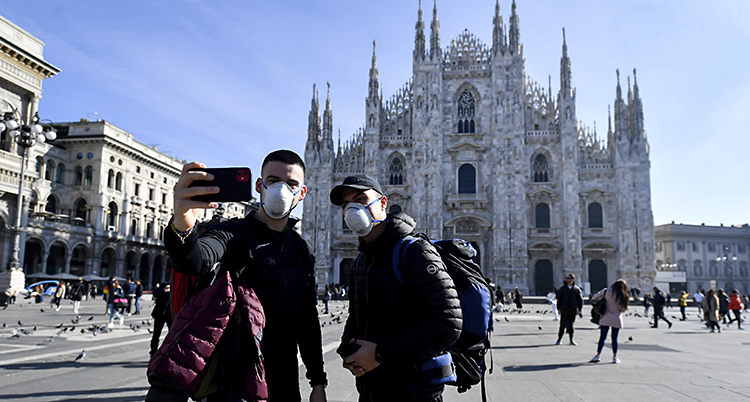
(339, 152)
(435, 35)
(619, 91)
(313, 127)
(565, 73)
(419, 41)
(514, 34)
(637, 108)
(498, 35)
(374, 85)
(327, 133)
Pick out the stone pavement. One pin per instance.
(684, 363)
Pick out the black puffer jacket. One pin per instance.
(411, 322)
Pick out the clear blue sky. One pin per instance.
(226, 82)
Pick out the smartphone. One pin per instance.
(234, 184)
(347, 349)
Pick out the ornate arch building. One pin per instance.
(473, 148)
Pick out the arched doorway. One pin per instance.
(543, 277)
(597, 275)
(158, 276)
(345, 271)
(78, 261)
(108, 263)
(32, 260)
(56, 259)
(145, 271)
(131, 264)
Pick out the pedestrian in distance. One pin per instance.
(267, 257)
(93, 289)
(659, 303)
(646, 303)
(711, 310)
(683, 304)
(160, 314)
(500, 296)
(396, 325)
(735, 305)
(616, 302)
(76, 294)
(669, 300)
(698, 299)
(326, 297)
(518, 299)
(552, 301)
(129, 289)
(115, 295)
(723, 305)
(746, 302)
(59, 295)
(138, 296)
(569, 305)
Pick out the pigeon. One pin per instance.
(5, 325)
(83, 331)
(34, 327)
(91, 318)
(73, 328)
(506, 319)
(20, 323)
(74, 321)
(60, 326)
(150, 331)
(630, 338)
(41, 309)
(81, 356)
(540, 328)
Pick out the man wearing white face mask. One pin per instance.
(397, 326)
(277, 263)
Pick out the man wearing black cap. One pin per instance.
(397, 326)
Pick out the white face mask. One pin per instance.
(278, 199)
(359, 219)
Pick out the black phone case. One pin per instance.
(235, 184)
(347, 349)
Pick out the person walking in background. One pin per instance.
(115, 293)
(569, 304)
(669, 300)
(160, 313)
(552, 301)
(93, 290)
(698, 299)
(138, 296)
(326, 297)
(682, 302)
(500, 295)
(711, 310)
(659, 302)
(129, 290)
(59, 295)
(646, 304)
(736, 306)
(723, 305)
(747, 302)
(77, 295)
(518, 299)
(616, 302)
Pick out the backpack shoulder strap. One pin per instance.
(399, 254)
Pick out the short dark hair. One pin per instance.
(284, 156)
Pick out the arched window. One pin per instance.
(51, 204)
(540, 169)
(713, 270)
(133, 227)
(697, 268)
(595, 215)
(542, 216)
(467, 179)
(149, 229)
(466, 113)
(39, 164)
(112, 216)
(396, 171)
(394, 208)
(88, 176)
(49, 171)
(78, 179)
(81, 210)
(118, 181)
(743, 269)
(110, 178)
(59, 173)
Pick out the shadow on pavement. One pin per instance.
(101, 395)
(57, 365)
(543, 367)
(522, 346)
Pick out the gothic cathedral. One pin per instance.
(472, 148)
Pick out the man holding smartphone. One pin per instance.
(278, 266)
(394, 326)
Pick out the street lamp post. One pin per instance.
(26, 136)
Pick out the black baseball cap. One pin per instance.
(360, 181)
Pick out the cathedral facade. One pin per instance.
(472, 148)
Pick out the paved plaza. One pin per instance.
(684, 363)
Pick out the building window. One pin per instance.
(727, 248)
(150, 194)
(595, 215)
(466, 113)
(59, 174)
(728, 270)
(78, 179)
(110, 178)
(540, 169)
(396, 172)
(164, 198)
(118, 181)
(697, 268)
(743, 269)
(150, 229)
(467, 179)
(682, 266)
(695, 247)
(51, 204)
(136, 189)
(711, 247)
(133, 227)
(88, 176)
(742, 248)
(49, 170)
(713, 270)
(542, 216)
(112, 216)
(680, 246)
(81, 210)
(658, 247)
(39, 165)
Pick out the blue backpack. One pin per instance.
(468, 353)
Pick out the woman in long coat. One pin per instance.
(616, 302)
(711, 309)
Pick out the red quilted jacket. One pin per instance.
(185, 358)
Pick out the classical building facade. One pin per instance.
(473, 148)
(709, 257)
(96, 201)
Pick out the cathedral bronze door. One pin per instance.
(543, 277)
(597, 275)
(345, 271)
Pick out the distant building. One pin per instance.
(473, 148)
(711, 257)
(96, 200)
